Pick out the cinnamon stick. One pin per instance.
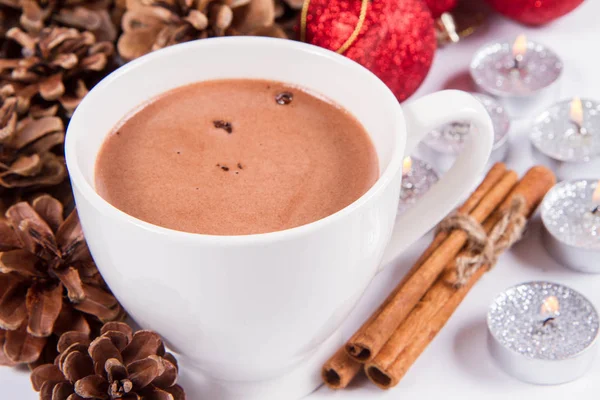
(369, 340)
(437, 306)
(340, 369)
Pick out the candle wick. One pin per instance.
(596, 210)
(517, 61)
(547, 321)
(580, 128)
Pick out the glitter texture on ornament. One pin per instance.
(534, 12)
(397, 40)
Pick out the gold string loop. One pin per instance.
(353, 36)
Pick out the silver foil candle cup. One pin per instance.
(567, 133)
(524, 75)
(417, 178)
(571, 218)
(543, 333)
(446, 142)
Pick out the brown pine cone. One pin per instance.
(115, 365)
(101, 17)
(49, 283)
(25, 143)
(58, 64)
(150, 25)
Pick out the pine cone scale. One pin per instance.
(21, 262)
(32, 18)
(25, 166)
(4, 360)
(142, 345)
(43, 145)
(8, 118)
(36, 129)
(117, 373)
(168, 377)
(98, 303)
(143, 372)
(75, 347)
(92, 387)
(76, 366)
(43, 305)
(13, 311)
(8, 239)
(72, 282)
(52, 88)
(46, 373)
(70, 338)
(50, 210)
(53, 173)
(101, 350)
(62, 391)
(21, 347)
(119, 339)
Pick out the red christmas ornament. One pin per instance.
(396, 40)
(534, 12)
(438, 7)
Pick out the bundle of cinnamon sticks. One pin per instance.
(391, 340)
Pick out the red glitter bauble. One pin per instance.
(397, 40)
(438, 7)
(534, 12)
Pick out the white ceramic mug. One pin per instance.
(257, 314)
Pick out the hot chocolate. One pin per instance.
(236, 157)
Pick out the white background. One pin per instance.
(457, 364)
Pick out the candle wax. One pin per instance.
(515, 320)
(494, 69)
(555, 135)
(567, 214)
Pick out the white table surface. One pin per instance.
(457, 364)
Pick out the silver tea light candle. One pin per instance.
(524, 75)
(571, 218)
(446, 142)
(417, 178)
(567, 132)
(543, 333)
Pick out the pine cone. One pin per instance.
(115, 365)
(101, 17)
(57, 64)
(49, 283)
(150, 25)
(25, 144)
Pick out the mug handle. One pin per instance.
(421, 117)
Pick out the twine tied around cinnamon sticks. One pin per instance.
(484, 248)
